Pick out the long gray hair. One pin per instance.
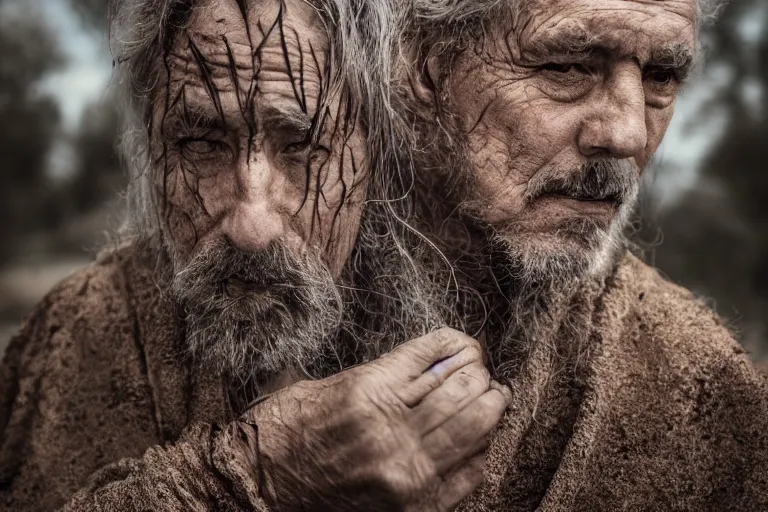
(390, 299)
(361, 34)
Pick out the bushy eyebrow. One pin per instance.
(579, 43)
(186, 117)
(285, 119)
(194, 117)
(675, 56)
(564, 42)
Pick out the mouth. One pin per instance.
(236, 287)
(604, 198)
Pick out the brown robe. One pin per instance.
(659, 410)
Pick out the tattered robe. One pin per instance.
(662, 410)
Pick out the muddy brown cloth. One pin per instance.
(99, 411)
(657, 409)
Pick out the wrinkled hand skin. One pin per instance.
(394, 434)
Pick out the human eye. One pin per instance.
(566, 80)
(294, 145)
(565, 68)
(204, 157)
(661, 84)
(200, 146)
(298, 145)
(661, 76)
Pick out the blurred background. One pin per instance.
(704, 216)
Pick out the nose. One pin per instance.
(253, 219)
(617, 126)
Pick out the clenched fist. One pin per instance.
(405, 432)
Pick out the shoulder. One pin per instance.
(674, 345)
(75, 377)
(88, 300)
(84, 316)
(704, 404)
(670, 317)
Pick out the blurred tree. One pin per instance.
(98, 176)
(93, 12)
(28, 125)
(716, 237)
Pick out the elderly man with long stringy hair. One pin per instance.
(377, 261)
(252, 135)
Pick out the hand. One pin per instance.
(405, 432)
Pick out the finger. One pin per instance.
(460, 483)
(504, 390)
(460, 389)
(414, 392)
(414, 357)
(457, 438)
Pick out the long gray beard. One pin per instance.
(497, 287)
(306, 322)
(251, 337)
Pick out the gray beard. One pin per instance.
(582, 251)
(577, 248)
(508, 288)
(306, 323)
(250, 337)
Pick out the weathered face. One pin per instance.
(249, 143)
(261, 173)
(563, 108)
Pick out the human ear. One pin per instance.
(424, 77)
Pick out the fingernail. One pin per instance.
(444, 365)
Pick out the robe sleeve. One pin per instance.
(78, 426)
(207, 469)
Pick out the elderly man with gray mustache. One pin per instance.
(316, 183)
(533, 122)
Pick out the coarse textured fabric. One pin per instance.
(657, 408)
(100, 412)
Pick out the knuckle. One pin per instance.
(472, 380)
(476, 351)
(475, 344)
(443, 336)
(465, 378)
(448, 336)
(481, 374)
(374, 403)
(446, 333)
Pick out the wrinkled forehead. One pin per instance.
(619, 27)
(263, 51)
(247, 23)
